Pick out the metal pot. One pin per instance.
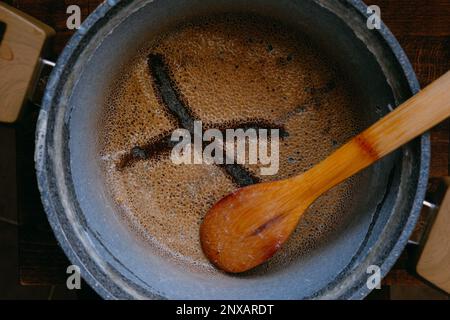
(116, 263)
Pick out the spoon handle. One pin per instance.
(415, 116)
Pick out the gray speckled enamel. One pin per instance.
(115, 264)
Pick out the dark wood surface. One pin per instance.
(423, 29)
(421, 26)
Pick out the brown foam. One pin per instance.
(229, 70)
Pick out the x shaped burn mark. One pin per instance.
(171, 98)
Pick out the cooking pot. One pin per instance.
(117, 263)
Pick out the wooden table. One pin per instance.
(422, 28)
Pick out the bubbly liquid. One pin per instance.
(228, 70)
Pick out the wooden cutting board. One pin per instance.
(434, 261)
(23, 39)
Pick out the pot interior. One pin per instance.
(123, 263)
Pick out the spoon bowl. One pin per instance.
(247, 227)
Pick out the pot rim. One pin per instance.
(114, 291)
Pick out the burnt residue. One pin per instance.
(171, 98)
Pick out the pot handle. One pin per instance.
(22, 42)
(434, 258)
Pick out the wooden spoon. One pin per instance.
(247, 227)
